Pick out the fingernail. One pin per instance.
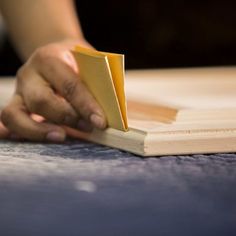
(98, 121)
(55, 136)
(84, 126)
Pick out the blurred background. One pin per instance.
(154, 33)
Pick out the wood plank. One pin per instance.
(178, 111)
(6, 90)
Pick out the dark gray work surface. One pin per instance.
(83, 189)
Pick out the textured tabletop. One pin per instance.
(79, 188)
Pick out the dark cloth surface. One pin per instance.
(79, 188)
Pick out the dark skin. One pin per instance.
(48, 84)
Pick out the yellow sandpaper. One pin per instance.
(103, 74)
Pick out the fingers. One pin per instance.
(48, 85)
(4, 132)
(39, 98)
(66, 82)
(16, 118)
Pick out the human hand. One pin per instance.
(48, 85)
(4, 133)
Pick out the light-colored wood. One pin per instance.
(177, 111)
(6, 90)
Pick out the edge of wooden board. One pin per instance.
(190, 142)
(164, 143)
(131, 141)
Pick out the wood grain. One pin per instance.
(178, 111)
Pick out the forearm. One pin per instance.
(32, 24)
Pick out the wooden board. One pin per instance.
(6, 90)
(178, 111)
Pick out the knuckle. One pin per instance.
(41, 55)
(20, 72)
(45, 53)
(62, 113)
(7, 115)
(87, 108)
(20, 75)
(38, 102)
(87, 103)
(47, 58)
(69, 89)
